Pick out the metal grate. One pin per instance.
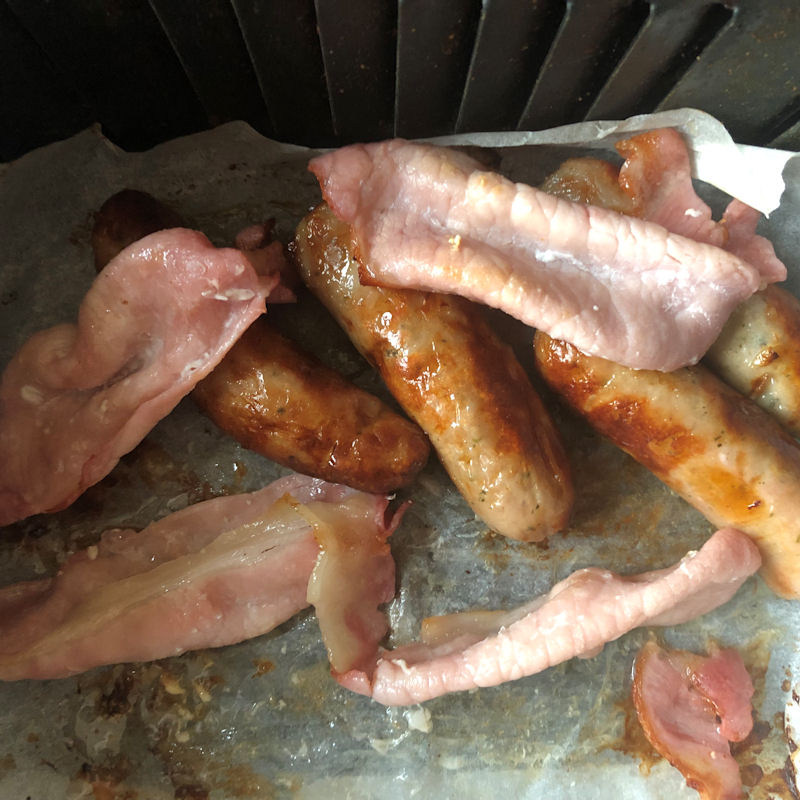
(325, 72)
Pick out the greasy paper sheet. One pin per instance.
(264, 719)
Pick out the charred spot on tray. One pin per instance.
(751, 775)
(263, 666)
(105, 778)
(789, 777)
(772, 784)
(633, 741)
(204, 685)
(115, 700)
(191, 791)
(7, 764)
(156, 467)
(755, 739)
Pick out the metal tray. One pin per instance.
(263, 719)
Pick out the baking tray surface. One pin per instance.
(264, 719)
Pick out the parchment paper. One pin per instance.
(263, 719)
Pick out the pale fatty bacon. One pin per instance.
(77, 397)
(576, 618)
(213, 574)
(624, 288)
(690, 707)
(657, 176)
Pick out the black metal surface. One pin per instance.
(117, 56)
(750, 74)
(36, 106)
(674, 34)
(208, 42)
(283, 44)
(512, 42)
(593, 37)
(358, 50)
(327, 72)
(789, 138)
(434, 44)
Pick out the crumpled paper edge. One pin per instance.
(754, 175)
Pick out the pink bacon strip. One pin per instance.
(213, 574)
(76, 398)
(624, 288)
(690, 707)
(576, 618)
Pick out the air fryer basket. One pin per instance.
(333, 71)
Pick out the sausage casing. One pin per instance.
(126, 217)
(450, 372)
(270, 395)
(283, 403)
(758, 353)
(718, 450)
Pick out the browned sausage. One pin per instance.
(758, 353)
(273, 397)
(126, 217)
(452, 375)
(718, 450)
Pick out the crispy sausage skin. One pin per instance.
(273, 397)
(718, 450)
(452, 375)
(758, 353)
(126, 217)
(285, 404)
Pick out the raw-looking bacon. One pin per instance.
(657, 176)
(267, 392)
(430, 218)
(353, 577)
(215, 573)
(690, 707)
(576, 618)
(756, 352)
(76, 398)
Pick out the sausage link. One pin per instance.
(450, 372)
(126, 217)
(758, 353)
(718, 450)
(285, 404)
(270, 395)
